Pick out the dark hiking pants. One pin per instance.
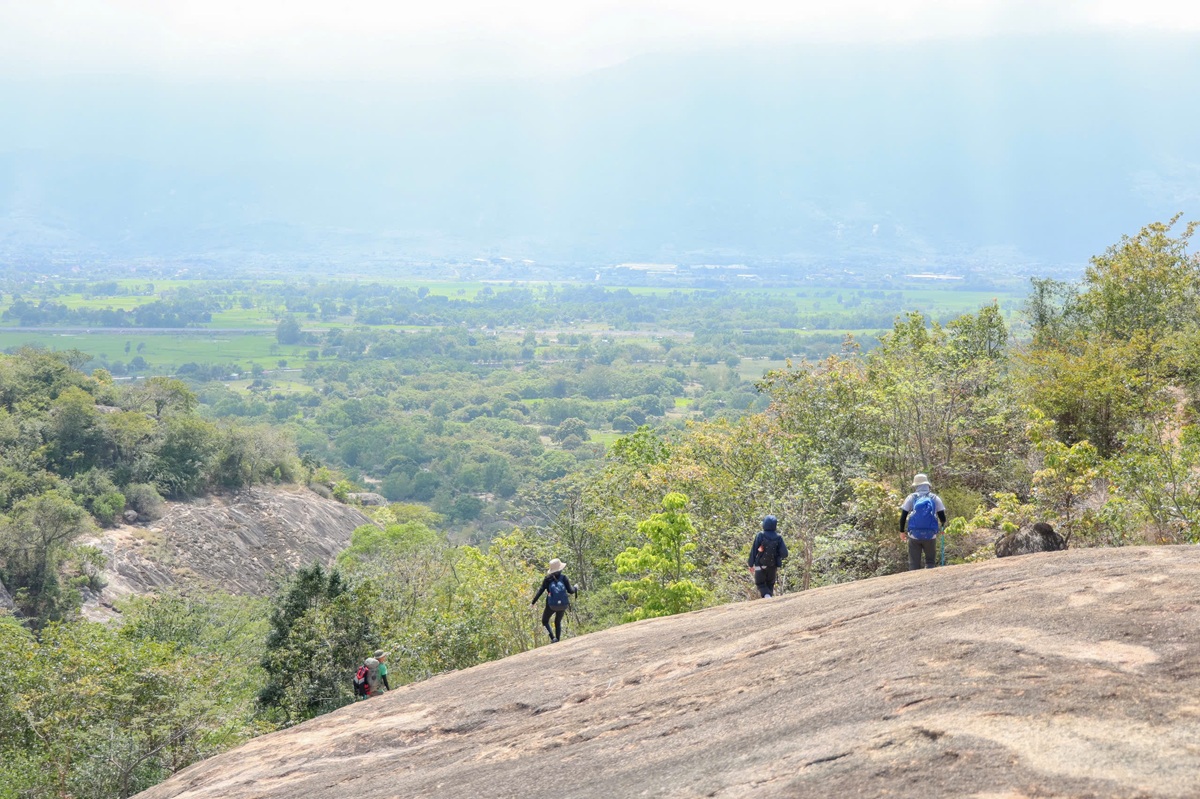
(764, 580)
(916, 547)
(556, 633)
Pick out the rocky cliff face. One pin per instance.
(1060, 674)
(237, 542)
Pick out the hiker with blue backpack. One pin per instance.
(766, 556)
(925, 514)
(558, 590)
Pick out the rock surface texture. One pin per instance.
(238, 542)
(1063, 674)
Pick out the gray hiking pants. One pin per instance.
(917, 547)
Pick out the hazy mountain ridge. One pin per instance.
(1039, 149)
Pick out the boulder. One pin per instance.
(130, 516)
(1040, 538)
(369, 499)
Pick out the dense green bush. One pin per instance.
(145, 499)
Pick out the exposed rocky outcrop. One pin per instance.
(1041, 537)
(1065, 674)
(6, 600)
(369, 499)
(238, 542)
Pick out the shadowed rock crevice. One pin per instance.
(981, 680)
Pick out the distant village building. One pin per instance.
(648, 267)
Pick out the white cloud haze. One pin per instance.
(356, 38)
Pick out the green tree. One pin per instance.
(1068, 479)
(34, 539)
(168, 394)
(74, 431)
(492, 590)
(319, 631)
(664, 563)
(571, 427)
(127, 436)
(131, 703)
(1159, 471)
(1106, 350)
(288, 330)
(181, 460)
(1093, 392)
(247, 455)
(1145, 283)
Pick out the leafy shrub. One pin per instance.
(960, 501)
(106, 508)
(145, 499)
(87, 565)
(87, 488)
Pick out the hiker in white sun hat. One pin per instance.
(925, 514)
(558, 590)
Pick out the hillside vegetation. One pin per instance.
(78, 451)
(1087, 423)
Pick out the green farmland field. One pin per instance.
(166, 352)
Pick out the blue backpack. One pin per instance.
(923, 522)
(556, 595)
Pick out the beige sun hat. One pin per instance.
(380, 654)
(920, 480)
(556, 565)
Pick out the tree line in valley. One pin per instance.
(365, 304)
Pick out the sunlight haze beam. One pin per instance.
(371, 38)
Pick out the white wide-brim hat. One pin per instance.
(920, 480)
(556, 565)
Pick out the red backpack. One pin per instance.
(361, 681)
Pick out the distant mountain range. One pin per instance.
(1013, 153)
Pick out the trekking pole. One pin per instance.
(943, 548)
(575, 615)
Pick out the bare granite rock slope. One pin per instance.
(1060, 674)
(235, 541)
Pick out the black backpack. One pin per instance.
(768, 552)
(556, 595)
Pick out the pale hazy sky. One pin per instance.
(249, 39)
